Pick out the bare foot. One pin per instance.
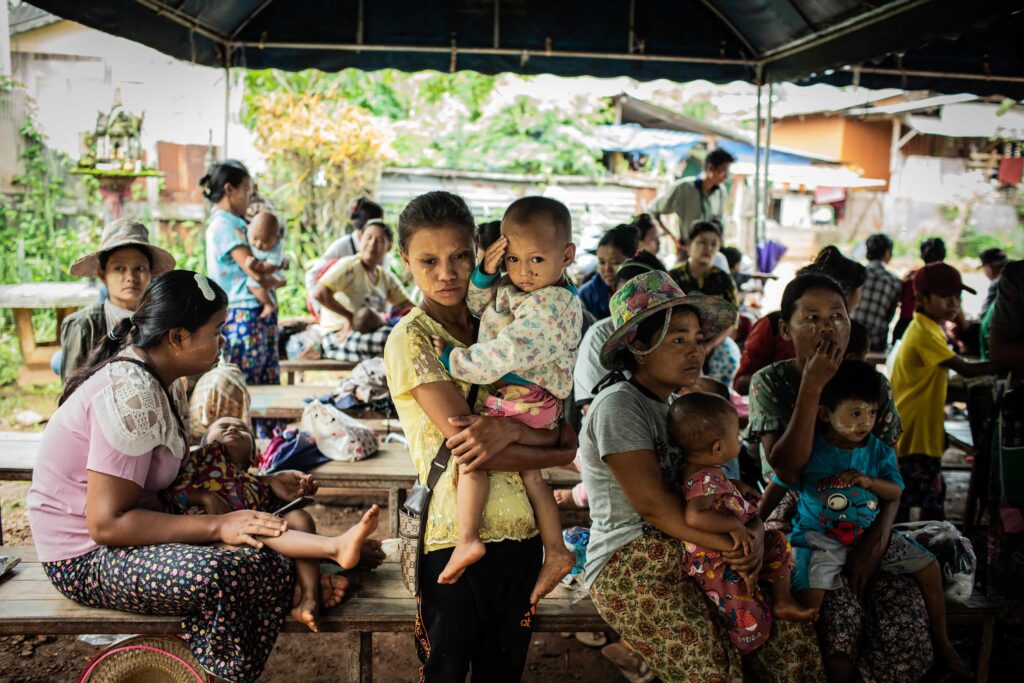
(953, 661)
(564, 499)
(350, 543)
(332, 591)
(557, 563)
(791, 610)
(465, 554)
(306, 612)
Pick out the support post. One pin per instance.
(227, 101)
(757, 166)
(766, 195)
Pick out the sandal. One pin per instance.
(592, 639)
(630, 664)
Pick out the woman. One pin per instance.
(120, 436)
(363, 211)
(125, 263)
(634, 564)
(649, 234)
(614, 247)
(483, 620)
(251, 339)
(765, 345)
(886, 635)
(354, 295)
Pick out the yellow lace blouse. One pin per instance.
(410, 360)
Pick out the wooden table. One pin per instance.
(291, 368)
(64, 297)
(283, 401)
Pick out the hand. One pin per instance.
(291, 484)
(371, 555)
(748, 563)
(439, 344)
(823, 363)
(741, 540)
(862, 563)
(494, 256)
(482, 439)
(240, 527)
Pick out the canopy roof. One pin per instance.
(941, 45)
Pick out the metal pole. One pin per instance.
(767, 161)
(227, 105)
(757, 164)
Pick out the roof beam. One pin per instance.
(186, 20)
(252, 15)
(732, 27)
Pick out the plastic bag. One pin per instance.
(338, 436)
(954, 552)
(304, 345)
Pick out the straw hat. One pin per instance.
(645, 295)
(145, 659)
(122, 233)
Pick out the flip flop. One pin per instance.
(592, 639)
(630, 664)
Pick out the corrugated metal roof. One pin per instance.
(25, 17)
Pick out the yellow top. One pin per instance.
(410, 360)
(919, 387)
(354, 287)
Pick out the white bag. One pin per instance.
(337, 435)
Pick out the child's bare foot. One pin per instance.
(465, 553)
(350, 543)
(332, 591)
(791, 610)
(564, 499)
(306, 611)
(953, 661)
(557, 563)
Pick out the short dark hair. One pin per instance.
(432, 209)
(644, 223)
(803, 283)
(732, 255)
(847, 272)
(858, 344)
(364, 210)
(878, 245)
(529, 209)
(710, 385)
(933, 250)
(697, 420)
(717, 158)
(623, 237)
(228, 172)
(383, 227)
(643, 262)
(701, 227)
(104, 257)
(488, 233)
(854, 380)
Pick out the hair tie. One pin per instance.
(204, 287)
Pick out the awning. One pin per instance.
(974, 120)
(809, 176)
(942, 45)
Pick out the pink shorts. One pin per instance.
(531, 405)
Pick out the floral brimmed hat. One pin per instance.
(123, 232)
(645, 295)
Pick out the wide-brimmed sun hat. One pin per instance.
(123, 232)
(649, 293)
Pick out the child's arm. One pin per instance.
(483, 284)
(214, 504)
(770, 499)
(966, 368)
(700, 516)
(886, 489)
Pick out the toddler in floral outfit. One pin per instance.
(530, 327)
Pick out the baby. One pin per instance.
(530, 325)
(264, 239)
(706, 428)
(850, 470)
(216, 480)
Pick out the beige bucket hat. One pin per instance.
(122, 232)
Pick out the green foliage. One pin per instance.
(971, 242)
(10, 358)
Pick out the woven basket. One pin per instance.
(145, 659)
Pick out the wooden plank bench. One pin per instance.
(291, 368)
(378, 603)
(284, 402)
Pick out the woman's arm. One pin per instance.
(699, 515)
(639, 475)
(323, 294)
(866, 555)
(242, 255)
(113, 518)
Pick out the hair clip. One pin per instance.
(204, 287)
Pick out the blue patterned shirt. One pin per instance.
(222, 235)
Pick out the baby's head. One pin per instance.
(849, 402)
(540, 248)
(858, 346)
(264, 231)
(705, 427)
(236, 438)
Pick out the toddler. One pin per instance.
(215, 479)
(706, 428)
(850, 470)
(264, 239)
(530, 325)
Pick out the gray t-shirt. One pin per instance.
(621, 419)
(589, 371)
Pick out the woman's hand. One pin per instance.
(823, 363)
(482, 439)
(240, 528)
(748, 562)
(494, 256)
(291, 484)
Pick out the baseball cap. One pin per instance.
(940, 279)
(994, 257)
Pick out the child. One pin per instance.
(530, 325)
(706, 428)
(850, 470)
(216, 480)
(919, 377)
(264, 238)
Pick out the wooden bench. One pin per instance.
(378, 603)
(291, 368)
(287, 402)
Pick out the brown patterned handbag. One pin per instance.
(412, 517)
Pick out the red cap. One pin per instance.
(939, 279)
